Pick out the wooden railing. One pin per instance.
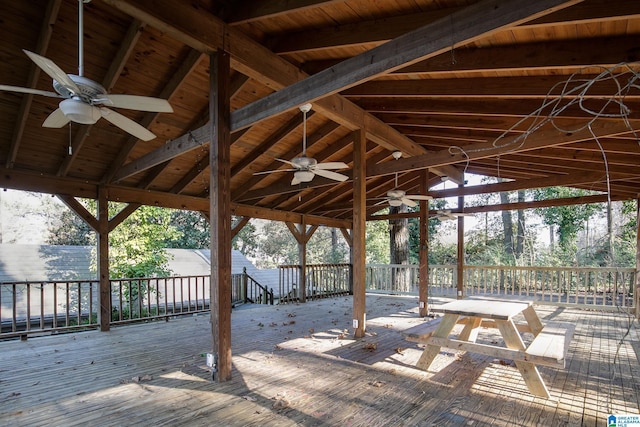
(573, 286)
(45, 307)
(322, 281)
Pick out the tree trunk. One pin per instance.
(399, 249)
(521, 228)
(507, 226)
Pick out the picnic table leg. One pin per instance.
(471, 329)
(533, 320)
(528, 370)
(431, 351)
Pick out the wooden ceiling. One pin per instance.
(536, 93)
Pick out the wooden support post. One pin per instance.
(423, 291)
(302, 236)
(220, 213)
(302, 259)
(460, 265)
(358, 236)
(347, 237)
(636, 291)
(104, 315)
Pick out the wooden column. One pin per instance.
(460, 265)
(104, 315)
(358, 235)
(347, 237)
(423, 292)
(636, 291)
(302, 236)
(220, 212)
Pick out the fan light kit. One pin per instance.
(306, 168)
(84, 100)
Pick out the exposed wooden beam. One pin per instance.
(249, 11)
(463, 26)
(206, 33)
(185, 143)
(533, 204)
(269, 142)
(284, 216)
(50, 18)
(366, 32)
(77, 207)
(546, 136)
(185, 68)
(239, 225)
(498, 87)
(382, 30)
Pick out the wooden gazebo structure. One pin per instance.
(539, 93)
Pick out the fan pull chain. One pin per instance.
(70, 147)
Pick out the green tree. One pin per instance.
(192, 230)
(246, 241)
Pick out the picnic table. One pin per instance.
(549, 346)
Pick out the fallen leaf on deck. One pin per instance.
(376, 383)
(250, 398)
(400, 350)
(371, 346)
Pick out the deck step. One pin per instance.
(551, 345)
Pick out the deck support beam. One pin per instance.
(358, 234)
(220, 213)
(104, 295)
(423, 291)
(460, 264)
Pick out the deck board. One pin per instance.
(296, 365)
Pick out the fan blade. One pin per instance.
(288, 162)
(418, 197)
(127, 124)
(135, 102)
(274, 170)
(55, 72)
(56, 120)
(331, 175)
(409, 202)
(331, 165)
(29, 90)
(295, 181)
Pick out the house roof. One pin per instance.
(535, 93)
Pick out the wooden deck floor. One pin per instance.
(298, 365)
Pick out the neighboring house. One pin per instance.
(51, 262)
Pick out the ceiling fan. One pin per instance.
(397, 197)
(446, 214)
(305, 168)
(84, 100)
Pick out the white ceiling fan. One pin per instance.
(397, 197)
(85, 100)
(446, 214)
(305, 168)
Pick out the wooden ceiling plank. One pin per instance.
(170, 150)
(468, 24)
(249, 11)
(367, 32)
(269, 142)
(190, 176)
(50, 18)
(185, 68)
(206, 33)
(383, 30)
(547, 136)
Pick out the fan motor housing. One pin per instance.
(89, 89)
